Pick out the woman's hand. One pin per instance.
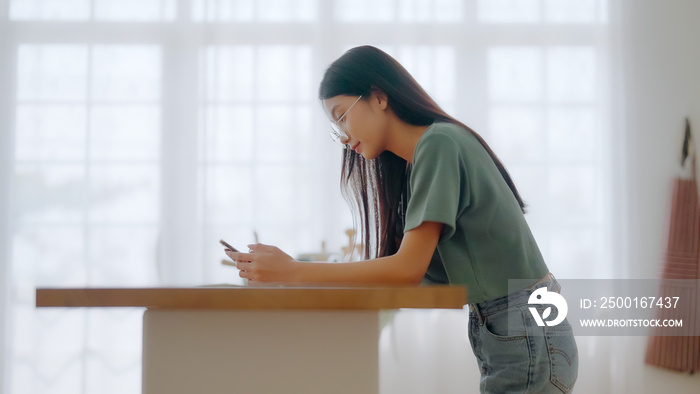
(264, 263)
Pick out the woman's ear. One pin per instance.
(379, 98)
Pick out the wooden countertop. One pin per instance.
(258, 297)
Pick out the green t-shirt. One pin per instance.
(485, 239)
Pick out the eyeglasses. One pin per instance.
(337, 133)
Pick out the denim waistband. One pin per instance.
(519, 297)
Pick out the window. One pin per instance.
(86, 187)
(256, 145)
(141, 132)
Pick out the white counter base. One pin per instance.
(286, 351)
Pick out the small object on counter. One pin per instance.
(323, 255)
(353, 251)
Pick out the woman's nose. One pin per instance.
(344, 137)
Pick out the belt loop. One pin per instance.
(554, 282)
(479, 316)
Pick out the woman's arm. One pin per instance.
(407, 266)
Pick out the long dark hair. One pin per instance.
(373, 187)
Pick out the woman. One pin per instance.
(435, 205)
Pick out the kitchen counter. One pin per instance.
(260, 339)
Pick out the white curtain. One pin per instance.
(135, 134)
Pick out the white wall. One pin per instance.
(6, 143)
(661, 51)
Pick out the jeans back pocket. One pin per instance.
(563, 355)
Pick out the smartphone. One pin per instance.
(221, 241)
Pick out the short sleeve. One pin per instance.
(438, 184)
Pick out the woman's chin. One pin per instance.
(369, 155)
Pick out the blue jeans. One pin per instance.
(528, 358)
